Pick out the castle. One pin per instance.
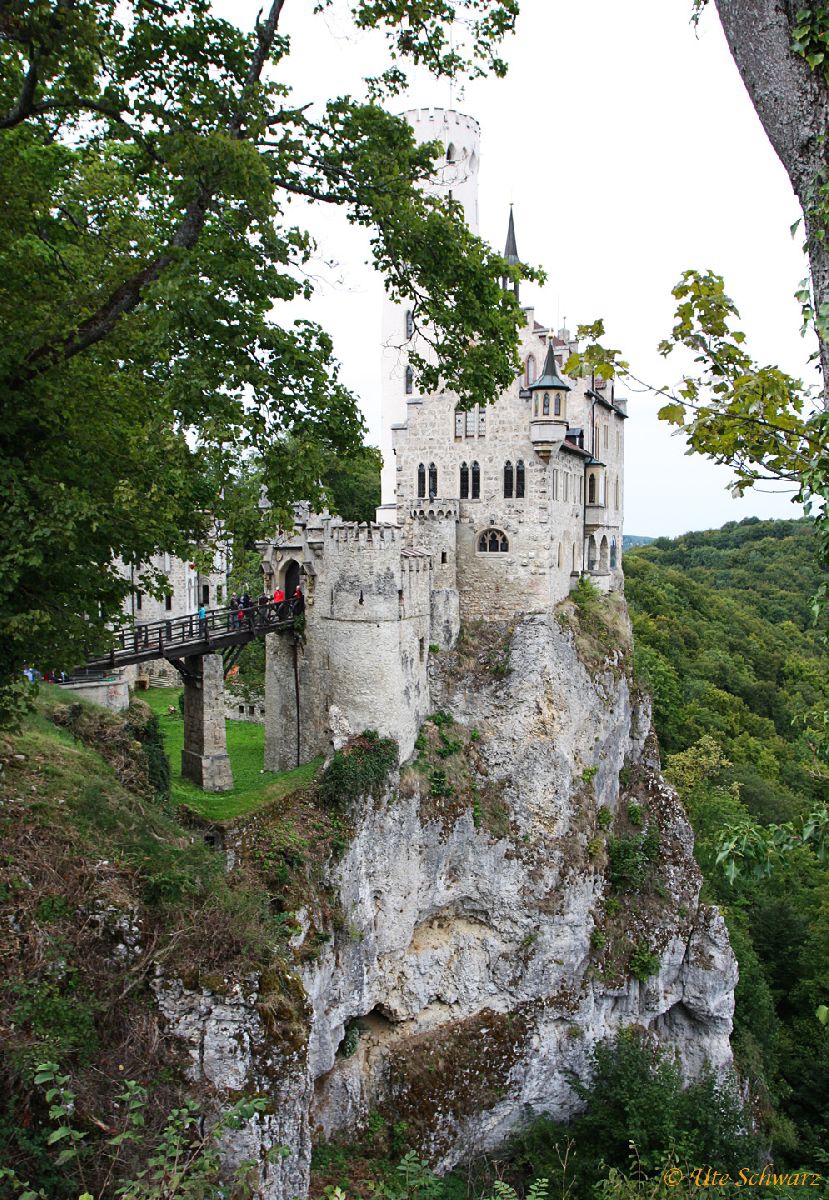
(485, 512)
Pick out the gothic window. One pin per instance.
(476, 481)
(591, 489)
(555, 484)
(471, 422)
(508, 479)
(529, 370)
(421, 481)
(566, 486)
(617, 491)
(451, 153)
(557, 405)
(433, 481)
(464, 481)
(519, 479)
(459, 420)
(409, 323)
(545, 408)
(613, 552)
(493, 541)
(482, 421)
(409, 381)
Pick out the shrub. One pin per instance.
(589, 774)
(643, 962)
(604, 817)
(635, 813)
(361, 768)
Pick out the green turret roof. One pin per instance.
(549, 377)
(511, 250)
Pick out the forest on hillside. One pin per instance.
(727, 642)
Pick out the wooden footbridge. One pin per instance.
(221, 630)
(202, 649)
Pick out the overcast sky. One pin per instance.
(631, 151)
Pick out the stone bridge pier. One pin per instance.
(204, 759)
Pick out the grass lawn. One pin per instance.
(252, 786)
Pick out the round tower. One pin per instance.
(456, 176)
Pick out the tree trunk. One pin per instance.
(791, 101)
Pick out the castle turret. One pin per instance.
(548, 423)
(456, 176)
(511, 253)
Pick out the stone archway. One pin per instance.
(604, 556)
(290, 577)
(592, 553)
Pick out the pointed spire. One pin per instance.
(511, 250)
(549, 377)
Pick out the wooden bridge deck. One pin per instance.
(182, 637)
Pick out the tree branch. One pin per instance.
(129, 294)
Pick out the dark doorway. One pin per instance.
(205, 593)
(291, 577)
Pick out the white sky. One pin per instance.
(631, 152)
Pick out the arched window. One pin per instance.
(409, 381)
(613, 555)
(451, 153)
(493, 541)
(557, 405)
(545, 408)
(591, 489)
(529, 370)
(433, 481)
(508, 480)
(464, 481)
(476, 481)
(421, 481)
(519, 479)
(409, 323)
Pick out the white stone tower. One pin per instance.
(457, 176)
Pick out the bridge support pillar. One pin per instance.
(204, 759)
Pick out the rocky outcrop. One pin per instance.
(506, 905)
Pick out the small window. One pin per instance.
(421, 481)
(460, 416)
(557, 405)
(591, 490)
(476, 481)
(139, 600)
(443, 558)
(617, 491)
(242, 709)
(605, 437)
(545, 410)
(433, 481)
(581, 489)
(409, 323)
(519, 479)
(451, 153)
(566, 486)
(205, 593)
(493, 541)
(422, 648)
(508, 481)
(471, 422)
(251, 710)
(409, 381)
(560, 556)
(613, 552)
(555, 484)
(529, 370)
(482, 422)
(168, 603)
(464, 481)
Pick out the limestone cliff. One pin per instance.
(522, 890)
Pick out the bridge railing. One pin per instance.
(164, 636)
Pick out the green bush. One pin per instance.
(361, 768)
(637, 1098)
(643, 962)
(635, 813)
(604, 817)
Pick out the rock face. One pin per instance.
(503, 916)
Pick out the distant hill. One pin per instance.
(634, 539)
(725, 642)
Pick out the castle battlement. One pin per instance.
(370, 536)
(449, 116)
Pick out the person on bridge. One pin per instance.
(297, 603)
(279, 601)
(234, 611)
(202, 620)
